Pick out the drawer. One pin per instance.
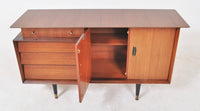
(52, 32)
(48, 58)
(46, 47)
(49, 72)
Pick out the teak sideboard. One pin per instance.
(82, 46)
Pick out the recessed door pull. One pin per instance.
(134, 51)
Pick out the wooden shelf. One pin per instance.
(108, 69)
(108, 39)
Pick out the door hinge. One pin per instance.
(79, 51)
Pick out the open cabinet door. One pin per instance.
(83, 63)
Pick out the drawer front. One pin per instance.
(46, 47)
(49, 72)
(52, 32)
(48, 58)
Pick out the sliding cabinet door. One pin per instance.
(150, 53)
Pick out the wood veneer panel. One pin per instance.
(48, 58)
(104, 81)
(21, 69)
(46, 47)
(49, 72)
(173, 54)
(130, 81)
(109, 39)
(76, 18)
(20, 38)
(50, 81)
(83, 63)
(109, 30)
(109, 51)
(108, 69)
(153, 55)
(52, 32)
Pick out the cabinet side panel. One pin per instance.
(173, 54)
(153, 53)
(19, 60)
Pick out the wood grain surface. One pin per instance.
(46, 47)
(109, 52)
(83, 63)
(109, 39)
(52, 32)
(173, 54)
(108, 69)
(96, 18)
(20, 38)
(50, 72)
(153, 53)
(21, 68)
(48, 58)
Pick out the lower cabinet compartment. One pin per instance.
(49, 72)
(108, 69)
(109, 53)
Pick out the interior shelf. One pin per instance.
(108, 69)
(109, 50)
(108, 39)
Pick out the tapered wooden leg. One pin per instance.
(55, 90)
(137, 91)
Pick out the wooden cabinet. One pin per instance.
(105, 46)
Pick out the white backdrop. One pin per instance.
(182, 94)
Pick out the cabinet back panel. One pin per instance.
(153, 53)
(109, 30)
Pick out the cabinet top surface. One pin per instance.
(95, 18)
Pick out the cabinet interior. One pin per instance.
(109, 53)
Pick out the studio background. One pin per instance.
(182, 94)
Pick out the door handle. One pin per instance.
(134, 51)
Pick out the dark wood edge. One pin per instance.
(131, 81)
(42, 81)
(21, 68)
(173, 54)
(106, 27)
(127, 55)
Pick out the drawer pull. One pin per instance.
(33, 32)
(70, 32)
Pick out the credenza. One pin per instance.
(83, 46)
